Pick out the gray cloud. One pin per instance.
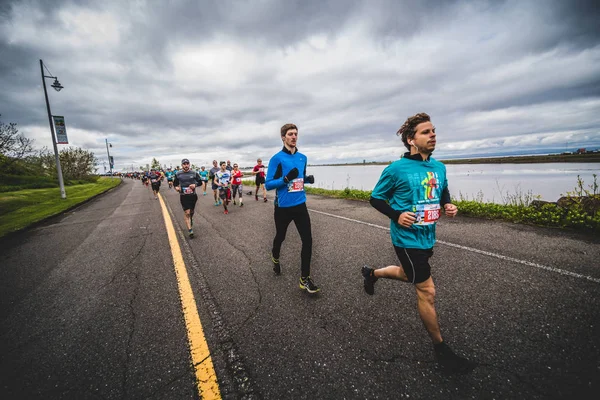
(216, 79)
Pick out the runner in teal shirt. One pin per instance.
(412, 192)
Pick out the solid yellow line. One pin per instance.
(206, 377)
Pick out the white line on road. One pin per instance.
(471, 249)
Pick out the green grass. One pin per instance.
(22, 208)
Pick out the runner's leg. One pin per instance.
(282, 219)
(302, 221)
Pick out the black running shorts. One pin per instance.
(156, 186)
(415, 263)
(260, 180)
(188, 201)
(224, 193)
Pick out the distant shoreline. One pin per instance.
(532, 159)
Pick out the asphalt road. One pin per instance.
(90, 307)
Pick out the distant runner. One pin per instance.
(155, 177)
(215, 187)
(204, 176)
(223, 180)
(170, 174)
(413, 192)
(259, 171)
(185, 183)
(236, 184)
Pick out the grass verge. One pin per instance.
(22, 208)
(574, 215)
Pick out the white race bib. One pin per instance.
(427, 214)
(297, 185)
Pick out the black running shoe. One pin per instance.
(276, 265)
(191, 232)
(451, 362)
(369, 279)
(308, 284)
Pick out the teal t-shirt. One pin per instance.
(416, 186)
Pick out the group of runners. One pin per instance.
(412, 192)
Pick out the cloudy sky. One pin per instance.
(217, 79)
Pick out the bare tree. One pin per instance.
(13, 146)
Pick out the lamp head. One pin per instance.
(56, 85)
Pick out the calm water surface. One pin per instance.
(488, 182)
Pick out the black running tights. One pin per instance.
(298, 214)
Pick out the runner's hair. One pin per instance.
(407, 130)
(287, 127)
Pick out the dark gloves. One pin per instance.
(293, 174)
(309, 179)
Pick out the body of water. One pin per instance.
(487, 182)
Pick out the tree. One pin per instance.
(13, 146)
(75, 162)
(155, 163)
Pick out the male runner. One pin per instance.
(287, 174)
(236, 183)
(185, 183)
(229, 167)
(411, 192)
(155, 177)
(204, 176)
(215, 188)
(222, 180)
(259, 171)
(170, 174)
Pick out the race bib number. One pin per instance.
(297, 185)
(153, 180)
(427, 214)
(187, 190)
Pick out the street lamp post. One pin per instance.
(110, 164)
(57, 86)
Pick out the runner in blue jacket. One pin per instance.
(287, 174)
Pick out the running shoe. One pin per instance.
(191, 232)
(204, 194)
(256, 197)
(276, 265)
(308, 284)
(216, 203)
(234, 203)
(369, 279)
(220, 202)
(225, 212)
(451, 362)
(241, 204)
(265, 199)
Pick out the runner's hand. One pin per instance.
(407, 219)
(309, 179)
(178, 188)
(450, 209)
(293, 174)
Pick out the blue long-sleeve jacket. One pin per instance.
(288, 194)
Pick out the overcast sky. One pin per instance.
(217, 79)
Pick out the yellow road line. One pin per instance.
(206, 377)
